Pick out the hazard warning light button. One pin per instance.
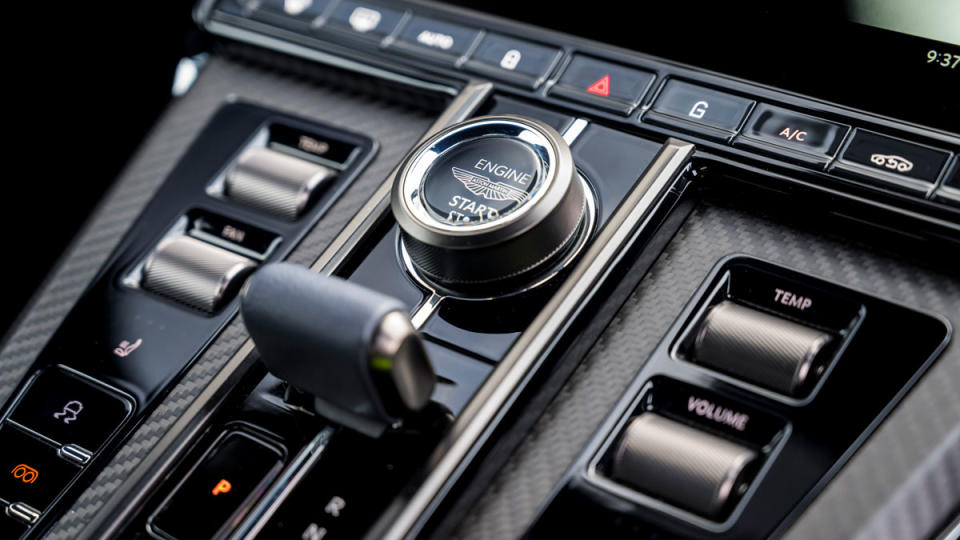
(616, 87)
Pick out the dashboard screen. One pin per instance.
(892, 57)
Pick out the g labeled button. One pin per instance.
(792, 135)
(701, 110)
(71, 409)
(30, 471)
(603, 84)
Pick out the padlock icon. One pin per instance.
(510, 59)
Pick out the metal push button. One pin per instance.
(682, 465)
(891, 162)
(701, 110)
(489, 200)
(760, 348)
(793, 135)
(435, 39)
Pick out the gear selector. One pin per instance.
(351, 348)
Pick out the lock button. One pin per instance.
(700, 110)
(72, 409)
(513, 60)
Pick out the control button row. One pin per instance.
(510, 59)
(879, 159)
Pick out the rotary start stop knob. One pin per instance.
(492, 200)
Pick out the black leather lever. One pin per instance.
(354, 349)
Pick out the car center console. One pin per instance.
(501, 322)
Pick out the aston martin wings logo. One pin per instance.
(488, 189)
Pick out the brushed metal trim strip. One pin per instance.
(133, 492)
(503, 385)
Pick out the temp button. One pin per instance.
(792, 135)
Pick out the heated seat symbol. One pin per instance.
(223, 486)
(601, 87)
(69, 412)
(25, 473)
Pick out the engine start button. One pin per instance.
(482, 180)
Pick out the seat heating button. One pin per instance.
(275, 182)
(195, 273)
(761, 348)
(217, 493)
(891, 162)
(795, 136)
(701, 110)
(71, 409)
(682, 465)
(603, 84)
(30, 470)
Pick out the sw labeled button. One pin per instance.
(438, 40)
(604, 84)
(891, 162)
(513, 60)
(792, 135)
(702, 110)
(71, 409)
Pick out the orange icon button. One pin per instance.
(25, 473)
(223, 486)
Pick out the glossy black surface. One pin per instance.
(31, 473)
(225, 480)
(605, 84)
(10, 527)
(793, 168)
(138, 342)
(71, 409)
(819, 434)
(701, 110)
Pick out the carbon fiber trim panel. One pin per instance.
(394, 127)
(911, 433)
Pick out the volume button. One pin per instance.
(683, 465)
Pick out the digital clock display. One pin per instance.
(943, 59)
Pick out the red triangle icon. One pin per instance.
(601, 87)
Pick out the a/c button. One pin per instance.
(792, 135)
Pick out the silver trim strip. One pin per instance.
(502, 386)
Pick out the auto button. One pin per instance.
(437, 40)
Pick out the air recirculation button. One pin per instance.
(490, 201)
